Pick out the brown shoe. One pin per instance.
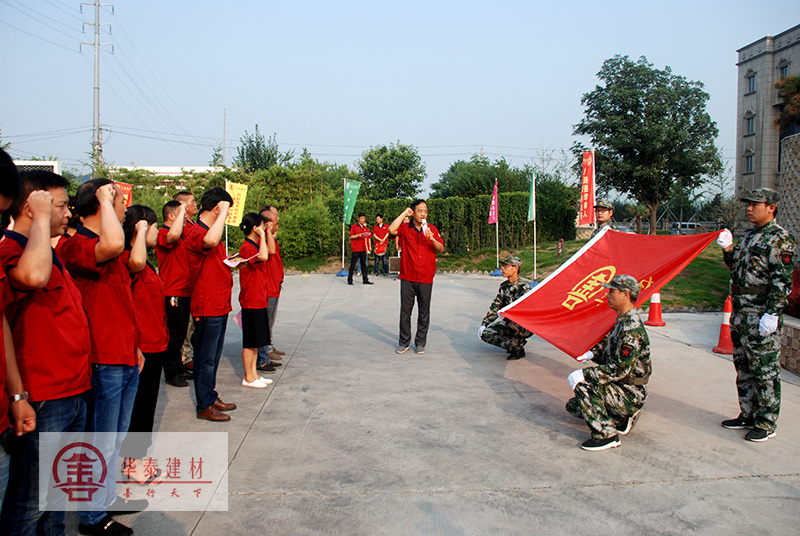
(189, 365)
(211, 413)
(278, 352)
(222, 406)
(274, 357)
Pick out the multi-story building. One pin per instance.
(761, 64)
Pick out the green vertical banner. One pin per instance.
(532, 199)
(350, 194)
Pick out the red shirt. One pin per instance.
(173, 265)
(252, 278)
(107, 300)
(49, 328)
(5, 422)
(379, 232)
(274, 273)
(214, 281)
(359, 243)
(418, 259)
(148, 304)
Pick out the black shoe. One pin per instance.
(106, 527)
(178, 381)
(759, 434)
(739, 423)
(124, 506)
(349, 282)
(268, 368)
(368, 283)
(187, 375)
(601, 444)
(516, 354)
(625, 427)
(276, 364)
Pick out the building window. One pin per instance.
(748, 164)
(751, 83)
(751, 125)
(783, 67)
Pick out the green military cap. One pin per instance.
(513, 260)
(625, 283)
(761, 195)
(604, 204)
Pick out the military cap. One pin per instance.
(513, 260)
(626, 283)
(761, 195)
(604, 204)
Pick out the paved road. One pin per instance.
(353, 439)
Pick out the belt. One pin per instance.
(636, 381)
(756, 290)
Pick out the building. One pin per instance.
(47, 165)
(761, 64)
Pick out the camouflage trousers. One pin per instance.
(758, 370)
(506, 334)
(603, 407)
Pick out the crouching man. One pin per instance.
(610, 395)
(500, 331)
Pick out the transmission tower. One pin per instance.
(97, 129)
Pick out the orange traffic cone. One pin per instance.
(654, 314)
(725, 342)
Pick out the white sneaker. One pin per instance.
(266, 381)
(255, 384)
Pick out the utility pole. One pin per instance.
(224, 134)
(97, 129)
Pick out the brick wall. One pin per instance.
(789, 218)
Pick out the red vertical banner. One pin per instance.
(586, 213)
(493, 206)
(127, 192)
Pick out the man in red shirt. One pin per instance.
(269, 356)
(421, 242)
(92, 256)
(43, 299)
(380, 231)
(173, 267)
(359, 244)
(187, 199)
(211, 302)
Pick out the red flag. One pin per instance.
(586, 212)
(493, 206)
(569, 310)
(127, 192)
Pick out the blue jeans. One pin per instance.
(21, 513)
(5, 460)
(381, 259)
(208, 339)
(272, 311)
(108, 409)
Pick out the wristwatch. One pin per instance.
(17, 398)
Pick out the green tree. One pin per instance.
(217, 159)
(396, 171)
(651, 132)
(257, 152)
(789, 91)
(476, 177)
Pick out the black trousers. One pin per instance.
(409, 292)
(144, 406)
(354, 258)
(178, 324)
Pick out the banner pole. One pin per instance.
(226, 227)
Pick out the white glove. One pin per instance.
(768, 324)
(575, 377)
(725, 239)
(481, 330)
(585, 357)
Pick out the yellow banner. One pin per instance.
(239, 194)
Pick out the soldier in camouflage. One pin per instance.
(761, 280)
(610, 396)
(497, 330)
(603, 214)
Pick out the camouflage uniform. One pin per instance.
(499, 331)
(615, 389)
(609, 223)
(761, 279)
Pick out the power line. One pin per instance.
(38, 19)
(37, 37)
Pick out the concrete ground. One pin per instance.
(354, 439)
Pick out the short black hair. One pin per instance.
(416, 203)
(86, 203)
(133, 215)
(361, 214)
(268, 208)
(379, 216)
(182, 193)
(213, 197)
(31, 181)
(250, 221)
(9, 176)
(169, 208)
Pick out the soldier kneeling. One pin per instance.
(497, 330)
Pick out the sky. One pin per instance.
(452, 78)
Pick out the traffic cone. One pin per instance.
(725, 342)
(654, 314)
